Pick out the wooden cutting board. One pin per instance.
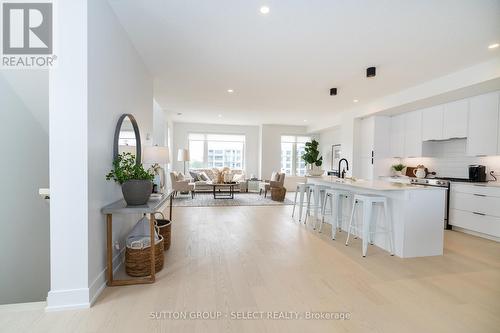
(409, 171)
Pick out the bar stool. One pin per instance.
(302, 188)
(369, 224)
(317, 192)
(335, 198)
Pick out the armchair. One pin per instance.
(181, 185)
(277, 180)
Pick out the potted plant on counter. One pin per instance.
(312, 159)
(398, 169)
(136, 182)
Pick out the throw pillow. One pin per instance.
(210, 174)
(180, 176)
(203, 176)
(194, 175)
(238, 177)
(274, 176)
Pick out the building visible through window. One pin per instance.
(216, 151)
(292, 148)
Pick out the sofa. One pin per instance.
(202, 177)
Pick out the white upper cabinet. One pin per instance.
(455, 119)
(413, 134)
(398, 136)
(432, 123)
(482, 138)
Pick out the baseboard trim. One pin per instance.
(475, 233)
(70, 299)
(28, 306)
(84, 298)
(99, 283)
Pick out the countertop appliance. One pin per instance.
(477, 173)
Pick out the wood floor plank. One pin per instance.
(252, 259)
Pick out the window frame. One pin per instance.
(295, 152)
(206, 141)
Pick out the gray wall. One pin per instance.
(24, 166)
(118, 82)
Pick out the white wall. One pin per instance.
(24, 226)
(68, 157)
(327, 138)
(118, 83)
(182, 130)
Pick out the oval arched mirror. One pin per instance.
(127, 138)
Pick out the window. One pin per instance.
(292, 148)
(216, 151)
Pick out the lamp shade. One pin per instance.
(155, 154)
(183, 155)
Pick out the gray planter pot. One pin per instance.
(137, 192)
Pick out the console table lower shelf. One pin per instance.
(120, 207)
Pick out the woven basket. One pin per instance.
(165, 229)
(137, 261)
(278, 193)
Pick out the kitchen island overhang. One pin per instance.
(417, 213)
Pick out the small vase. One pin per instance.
(137, 192)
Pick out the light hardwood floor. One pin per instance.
(258, 259)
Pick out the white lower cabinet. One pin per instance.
(475, 208)
(483, 224)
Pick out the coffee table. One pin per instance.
(224, 191)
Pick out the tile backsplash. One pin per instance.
(449, 159)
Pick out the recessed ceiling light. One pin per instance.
(220, 116)
(493, 46)
(264, 10)
(230, 91)
(355, 100)
(305, 120)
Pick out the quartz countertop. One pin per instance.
(377, 185)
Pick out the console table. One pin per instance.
(121, 207)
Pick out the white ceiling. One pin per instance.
(282, 65)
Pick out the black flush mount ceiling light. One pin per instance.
(371, 72)
(333, 91)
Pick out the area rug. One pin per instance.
(240, 199)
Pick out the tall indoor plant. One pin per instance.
(312, 158)
(136, 182)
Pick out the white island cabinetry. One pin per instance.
(417, 214)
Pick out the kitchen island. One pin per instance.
(417, 213)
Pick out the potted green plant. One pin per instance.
(312, 158)
(136, 182)
(398, 169)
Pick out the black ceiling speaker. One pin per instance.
(371, 72)
(333, 91)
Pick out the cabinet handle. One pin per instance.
(481, 214)
(479, 195)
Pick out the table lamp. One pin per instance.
(157, 156)
(183, 156)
